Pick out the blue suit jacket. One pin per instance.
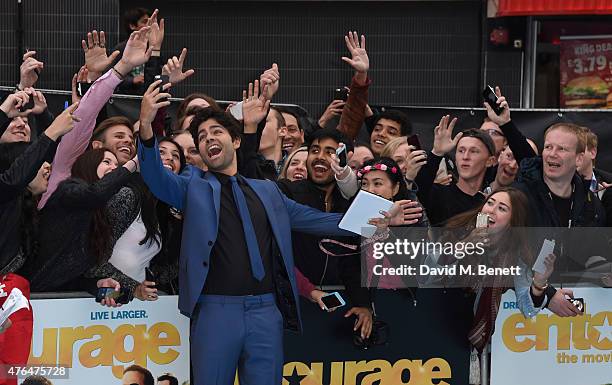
(198, 195)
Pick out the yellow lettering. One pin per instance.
(511, 331)
(105, 356)
(379, 369)
(172, 338)
(49, 349)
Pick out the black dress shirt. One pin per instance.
(230, 272)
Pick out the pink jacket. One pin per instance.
(74, 143)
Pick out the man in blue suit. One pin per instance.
(236, 270)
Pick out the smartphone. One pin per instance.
(578, 303)
(413, 140)
(150, 276)
(28, 106)
(110, 293)
(482, 220)
(341, 154)
(165, 80)
(341, 94)
(82, 88)
(332, 301)
(236, 111)
(491, 98)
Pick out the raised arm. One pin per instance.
(25, 167)
(29, 70)
(10, 108)
(443, 144)
(353, 113)
(516, 140)
(163, 183)
(76, 142)
(97, 194)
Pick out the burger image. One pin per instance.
(586, 92)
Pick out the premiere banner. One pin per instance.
(551, 350)
(586, 72)
(97, 342)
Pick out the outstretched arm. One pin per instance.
(516, 140)
(75, 143)
(353, 113)
(163, 183)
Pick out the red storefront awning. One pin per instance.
(553, 7)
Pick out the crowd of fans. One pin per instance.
(76, 213)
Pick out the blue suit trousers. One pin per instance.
(237, 332)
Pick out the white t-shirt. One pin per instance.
(129, 256)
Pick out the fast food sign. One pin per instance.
(586, 72)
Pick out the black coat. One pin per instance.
(64, 233)
(13, 188)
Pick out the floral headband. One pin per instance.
(377, 166)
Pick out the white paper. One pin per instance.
(364, 207)
(15, 301)
(548, 247)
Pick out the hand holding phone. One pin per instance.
(341, 94)
(108, 293)
(150, 277)
(29, 105)
(165, 80)
(482, 220)
(414, 141)
(577, 302)
(341, 154)
(332, 301)
(491, 98)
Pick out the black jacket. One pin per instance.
(310, 260)
(13, 185)
(65, 222)
(587, 210)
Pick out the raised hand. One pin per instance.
(174, 68)
(541, 279)
(271, 77)
(333, 109)
(96, 59)
(10, 106)
(79, 77)
(152, 101)
(136, 52)
(29, 70)
(502, 118)
(63, 124)
(415, 160)
(255, 105)
(156, 37)
(341, 172)
(443, 136)
(40, 103)
(359, 56)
